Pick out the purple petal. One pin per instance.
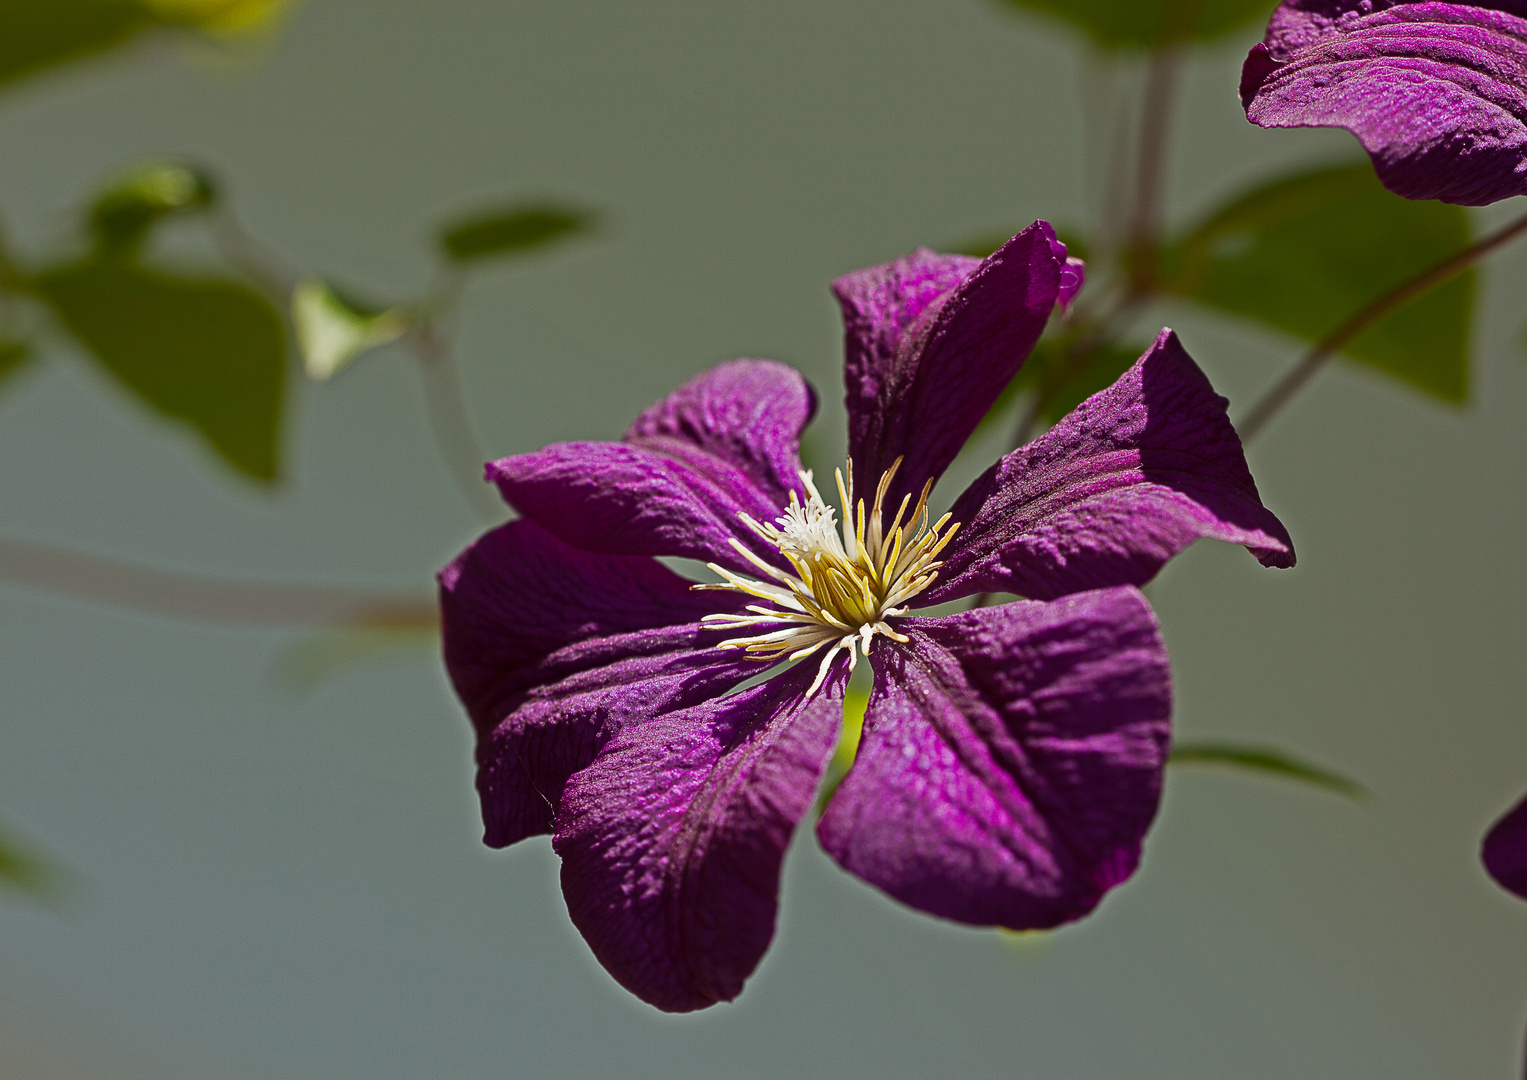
(749, 413)
(1073, 275)
(1504, 851)
(931, 341)
(1011, 760)
(672, 839)
(1134, 475)
(553, 650)
(724, 443)
(1436, 93)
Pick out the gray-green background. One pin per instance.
(275, 886)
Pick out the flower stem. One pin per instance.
(450, 422)
(1150, 167)
(1327, 347)
(260, 263)
(107, 581)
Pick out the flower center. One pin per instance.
(847, 582)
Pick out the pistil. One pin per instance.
(845, 585)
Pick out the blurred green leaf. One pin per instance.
(125, 210)
(206, 351)
(13, 354)
(512, 230)
(332, 331)
(220, 16)
(1062, 378)
(1305, 253)
(28, 873)
(38, 34)
(1145, 24)
(1263, 759)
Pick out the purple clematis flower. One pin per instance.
(1436, 92)
(1504, 851)
(1011, 757)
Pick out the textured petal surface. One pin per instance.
(1134, 475)
(1504, 852)
(725, 443)
(672, 839)
(553, 650)
(1436, 93)
(1011, 760)
(931, 341)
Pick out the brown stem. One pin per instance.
(1150, 168)
(106, 581)
(1327, 347)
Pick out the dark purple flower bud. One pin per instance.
(1504, 851)
(1436, 93)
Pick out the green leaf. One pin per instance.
(40, 34)
(512, 230)
(13, 355)
(28, 873)
(332, 331)
(1305, 253)
(206, 351)
(1269, 761)
(224, 17)
(1146, 24)
(125, 210)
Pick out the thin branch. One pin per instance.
(1150, 169)
(449, 420)
(107, 581)
(253, 258)
(1327, 347)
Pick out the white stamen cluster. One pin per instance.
(845, 584)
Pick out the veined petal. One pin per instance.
(749, 413)
(1504, 851)
(671, 841)
(931, 341)
(553, 650)
(1011, 760)
(725, 443)
(1435, 92)
(1134, 475)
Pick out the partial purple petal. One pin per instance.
(1011, 760)
(553, 650)
(749, 413)
(725, 443)
(1134, 475)
(931, 342)
(1504, 851)
(671, 841)
(1073, 275)
(1436, 93)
